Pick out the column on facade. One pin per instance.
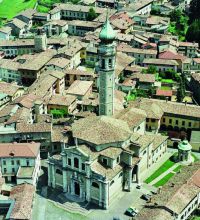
(138, 174)
(53, 176)
(106, 197)
(129, 178)
(64, 161)
(88, 183)
(49, 174)
(88, 189)
(64, 180)
(100, 194)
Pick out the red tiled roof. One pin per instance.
(197, 60)
(19, 149)
(152, 45)
(171, 56)
(23, 195)
(160, 92)
(122, 15)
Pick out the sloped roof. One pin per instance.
(19, 149)
(101, 130)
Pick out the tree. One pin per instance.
(152, 69)
(175, 15)
(155, 11)
(193, 32)
(194, 10)
(181, 90)
(92, 14)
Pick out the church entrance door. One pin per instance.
(77, 188)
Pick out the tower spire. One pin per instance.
(107, 32)
(107, 56)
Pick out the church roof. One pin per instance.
(101, 130)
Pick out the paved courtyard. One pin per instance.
(121, 203)
(44, 208)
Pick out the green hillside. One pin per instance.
(9, 8)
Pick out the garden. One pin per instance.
(58, 113)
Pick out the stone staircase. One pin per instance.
(72, 204)
(72, 207)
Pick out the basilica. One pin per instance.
(110, 151)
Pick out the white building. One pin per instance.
(106, 157)
(20, 162)
(5, 33)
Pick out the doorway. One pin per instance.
(77, 188)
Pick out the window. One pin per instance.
(13, 170)
(183, 123)
(18, 162)
(69, 162)
(4, 162)
(76, 162)
(164, 120)
(170, 121)
(27, 163)
(83, 166)
(118, 159)
(58, 171)
(105, 161)
(94, 184)
(153, 120)
(5, 170)
(12, 162)
(147, 119)
(112, 182)
(176, 122)
(110, 63)
(103, 64)
(189, 124)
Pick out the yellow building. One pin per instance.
(169, 116)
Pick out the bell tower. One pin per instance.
(107, 57)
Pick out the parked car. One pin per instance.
(139, 186)
(146, 197)
(154, 192)
(131, 211)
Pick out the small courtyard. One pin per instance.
(166, 171)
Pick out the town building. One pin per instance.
(177, 199)
(170, 116)
(161, 64)
(80, 27)
(139, 54)
(5, 33)
(20, 162)
(188, 49)
(195, 86)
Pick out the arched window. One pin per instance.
(94, 184)
(58, 171)
(112, 182)
(76, 162)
